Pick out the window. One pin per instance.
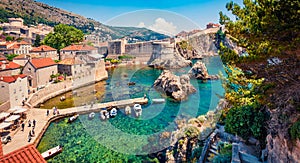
(15, 91)
(29, 69)
(2, 86)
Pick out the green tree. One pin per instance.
(264, 27)
(9, 38)
(10, 57)
(63, 36)
(37, 41)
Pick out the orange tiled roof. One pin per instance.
(10, 79)
(42, 62)
(26, 56)
(23, 43)
(43, 48)
(2, 59)
(79, 47)
(10, 65)
(27, 154)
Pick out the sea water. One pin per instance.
(126, 138)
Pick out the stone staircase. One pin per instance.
(212, 152)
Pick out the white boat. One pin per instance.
(127, 110)
(113, 112)
(158, 100)
(137, 109)
(62, 98)
(52, 152)
(104, 114)
(73, 118)
(91, 115)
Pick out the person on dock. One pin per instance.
(29, 123)
(33, 122)
(145, 96)
(29, 136)
(23, 126)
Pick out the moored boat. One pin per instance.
(91, 115)
(52, 152)
(113, 112)
(137, 109)
(127, 110)
(104, 114)
(62, 98)
(73, 118)
(158, 100)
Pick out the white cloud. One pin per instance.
(141, 25)
(161, 26)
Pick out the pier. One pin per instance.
(20, 138)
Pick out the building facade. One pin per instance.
(13, 89)
(39, 71)
(45, 51)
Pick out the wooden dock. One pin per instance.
(19, 138)
(97, 107)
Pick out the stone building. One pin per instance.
(13, 89)
(9, 68)
(39, 71)
(45, 51)
(14, 47)
(74, 49)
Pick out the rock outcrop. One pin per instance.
(206, 44)
(164, 57)
(186, 51)
(199, 71)
(174, 86)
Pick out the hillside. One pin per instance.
(35, 12)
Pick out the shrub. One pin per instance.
(295, 130)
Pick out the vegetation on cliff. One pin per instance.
(268, 30)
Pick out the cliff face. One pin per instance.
(164, 57)
(206, 44)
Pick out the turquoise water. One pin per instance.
(126, 138)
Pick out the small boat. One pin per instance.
(127, 110)
(131, 83)
(113, 112)
(137, 109)
(73, 118)
(91, 115)
(52, 152)
(158, 100)
(62, 98)
(104, 114)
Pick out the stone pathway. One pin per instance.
(20, 138)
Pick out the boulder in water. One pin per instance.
(174, 86)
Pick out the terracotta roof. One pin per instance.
(27, 154)
(10, 79)
(26, 56)
(23, 43)
(70, 61)
(42, 62)
(80, 47)
(2, 59)
(10, 65)
(43, 48)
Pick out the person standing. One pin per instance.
(29, 123)
(33, 122)
(47, 114)
(23, 126)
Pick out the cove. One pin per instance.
(126, 138)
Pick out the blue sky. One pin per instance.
(176, 15)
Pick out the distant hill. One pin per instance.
(35, 12)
